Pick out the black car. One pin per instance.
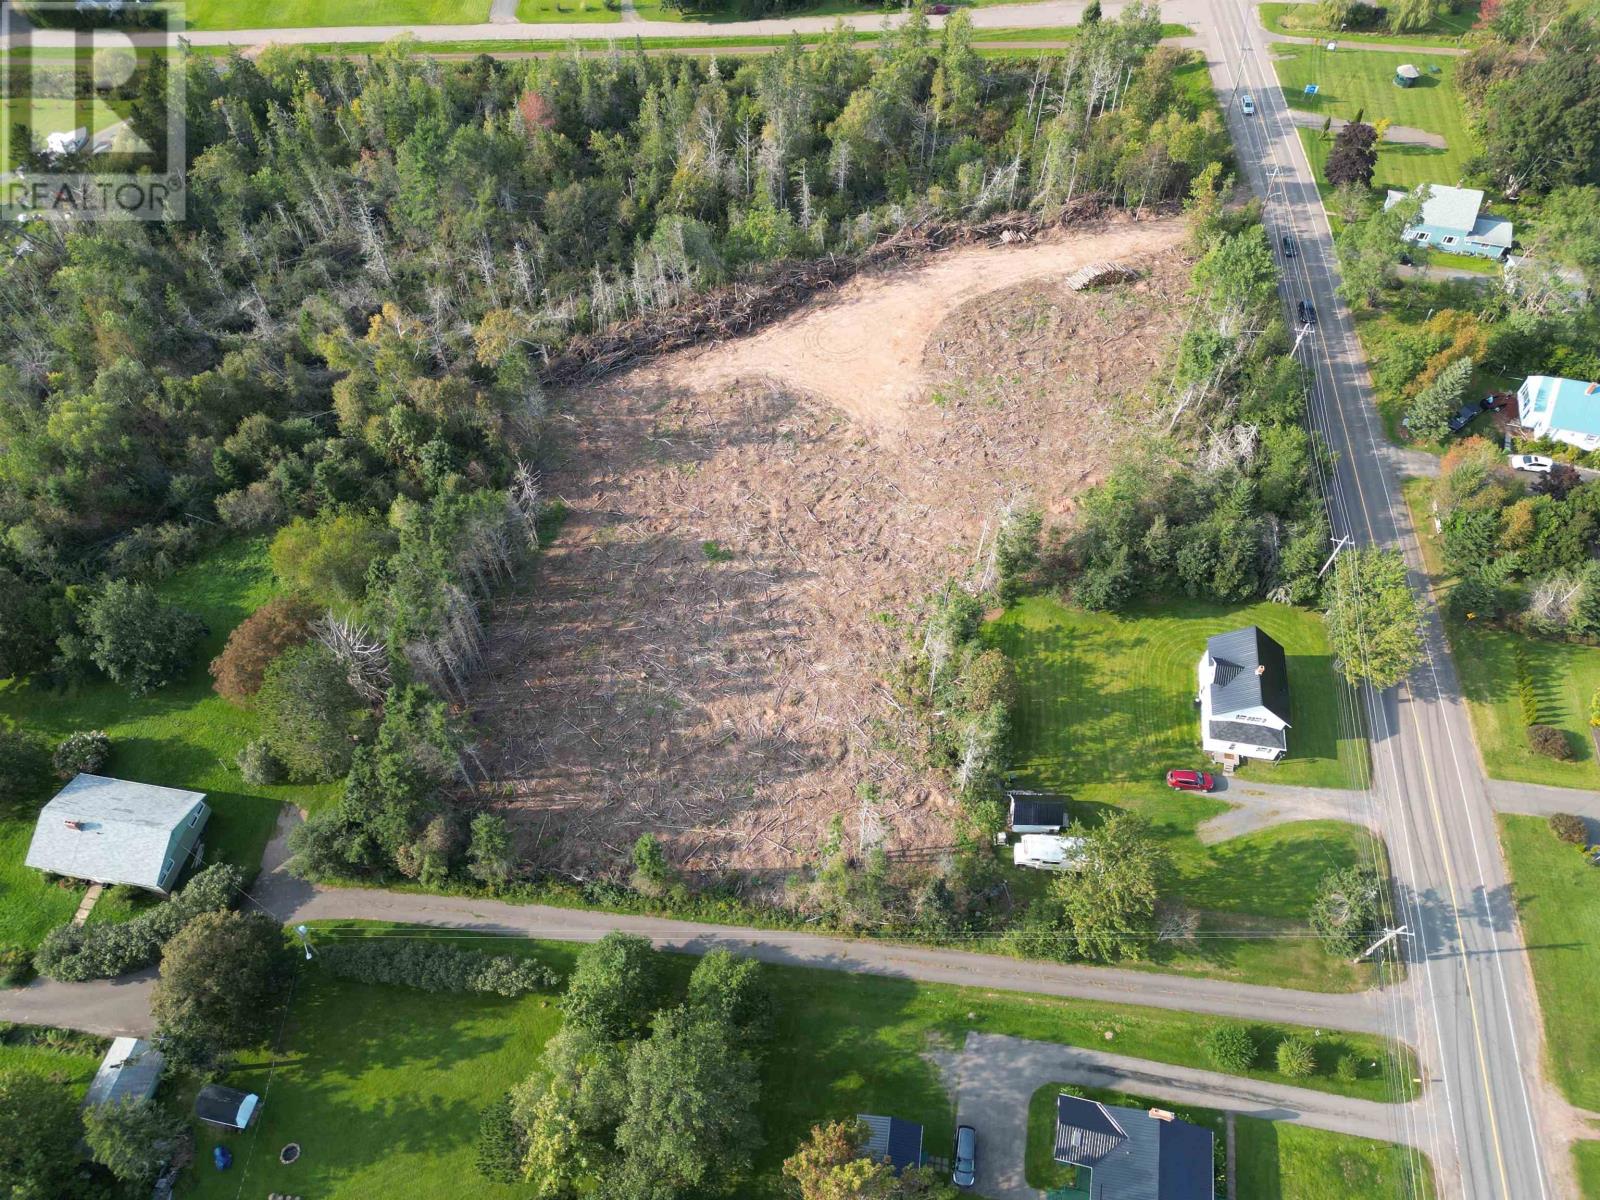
(1307, 312)
(1288, 246)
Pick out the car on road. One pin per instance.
(965, 1157)
(1288, 246)
(1307, 312)
(1190, 781)
(1537, 463)
(1247, 105)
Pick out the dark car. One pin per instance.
(965, 1157)
(1190, 781)
(1288, 246)
(939, 10)
(1307, 312)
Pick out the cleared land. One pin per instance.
(1106, 708)
(1558, 900)
(382, 1087)
(751, 526)
(182, 735)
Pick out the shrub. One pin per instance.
(615, 986)
(1549, 741)
(73, 953)
(83, 752)
(434, 967)
(1594, 709)
(1527, 693)
(489, 856)
(256, 641)
(1348, 907)
(1296, 1057)
(1230, 1048)
(1569, 828)
(135, 1139)
(649, 865)
(310, 715)
(1348, 1068)
(16, 966)
(501, 1143)
(259, 765)
(138, 640)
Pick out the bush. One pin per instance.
(256, 641)
(73, 953)
(1550, 742)
(501, 1143)
(84, 752)
(1569, 828)
(310, 715)
(1348, 1068)
(434, 967)
(259, 765)
(138, 640)
(649, 865)
(135, 1139)
(1296, 1057)
(1230, 1048)
(615, 986)
(16, 966)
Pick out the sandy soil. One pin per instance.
(752, 528)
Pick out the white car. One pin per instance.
(1248, 105)
(1537, 463)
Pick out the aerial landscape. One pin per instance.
(800, 599)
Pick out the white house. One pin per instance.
(117, 831)
(1244, 697)
(1048, 852)
(1563, 410)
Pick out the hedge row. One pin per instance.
(73, 953)
(434, 967)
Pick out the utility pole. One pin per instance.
(1388, 937)
(1337, 546)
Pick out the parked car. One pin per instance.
(1190, 781)
(939, 10)
(1288, 246)
(1307, 312)
(965, 1157)
(1537, 463)
(1247, 105)
(1469, 410)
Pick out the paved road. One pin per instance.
(1491, 1128)
(995, 1076)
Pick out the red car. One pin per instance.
(1189, 781)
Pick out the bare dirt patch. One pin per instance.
(702, 652)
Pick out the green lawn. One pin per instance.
(1302, 20)
(382, 1086)
(69, 1058)
(296, 14)
(1106, 707)
(182, 735)
(1349, 81)
(1278, 1161)
(1586, 1155)
(1558, 900)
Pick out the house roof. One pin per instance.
(1406, 70)
(892, 1139)
(1251, 672)
(1248, 733)
(130, 1071)
(1134, 1154)
(1037, 809)
(1444, 207)
(110, 830)
(218, 1105)
(1574, 404)
(1492, 231)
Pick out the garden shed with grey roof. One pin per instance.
(117, 831)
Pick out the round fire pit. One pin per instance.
(289, 1153)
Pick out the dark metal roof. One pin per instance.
(1134, 1155)
(1251, 671)
(220, 1105)
(1187, 1169)
(1085, 1131)
(893, 1140)
(1250, 735)
(1038, 809)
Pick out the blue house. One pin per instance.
(1452, 221)
(1563, 410)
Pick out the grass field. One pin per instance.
(1558, 900)
(297, 14)
(382, 1087)
(182, 735)
(1586, 1156)
(72, 1060)
(1279, 1161)
(1106, 707)
(1301, 20)
(1349, 81)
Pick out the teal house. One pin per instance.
(1453, 221)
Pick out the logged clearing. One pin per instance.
(753, 525)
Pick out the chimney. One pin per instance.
(74, 824)
(1161, 1114)
(1262, 669)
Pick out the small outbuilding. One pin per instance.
(116, 831)
(1036, 812)
(226, 1107)
(892, 1140)
(1405, 75)
(1048, 852)
(130, 1070)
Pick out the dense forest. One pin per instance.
(342, 343)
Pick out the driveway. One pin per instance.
(996, 1076)
(1260, 806)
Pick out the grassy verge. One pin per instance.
(1352, 81)
(1586, 1157)
(1301, 20)
(182, 735)
(1558, 900)
(299, 14)
(69, 1058)
(382, 1087)
(1278, 1161)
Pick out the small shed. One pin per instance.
(1037, 812)
(226, 1107)
(1405, 75)
(130, 1070)
(892, 1140)
(1048, 852)
(117, 831)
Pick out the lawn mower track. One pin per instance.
(704, 649)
